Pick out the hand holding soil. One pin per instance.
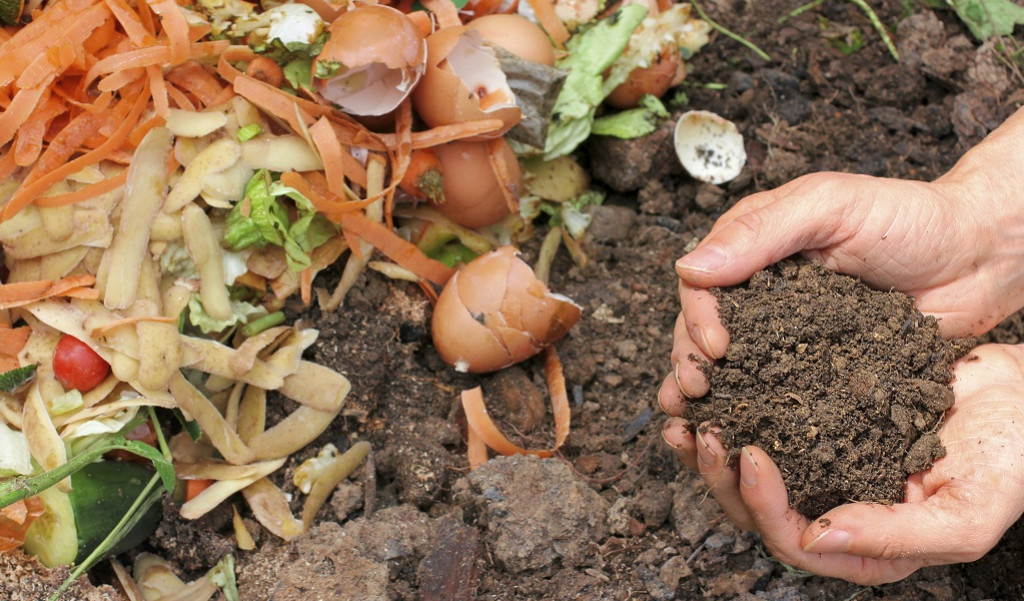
(951, 245)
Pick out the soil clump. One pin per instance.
(844, 386)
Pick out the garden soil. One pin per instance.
(613, 516)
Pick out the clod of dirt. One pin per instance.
(843, 386)
(536, 512)
(23, 578)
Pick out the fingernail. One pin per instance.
(830, 541)
(675, 372)
(748, 472)
(704, 452)
(704, 259)
(670, 423)
(702, 340)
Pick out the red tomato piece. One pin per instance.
(77, 366)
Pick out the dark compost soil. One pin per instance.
(845, 386)
(613, 516)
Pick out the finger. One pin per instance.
(782, 528)
(670, 396)
(687, 359)
(805, 213)
(678, 435)
(702, 321)
(948, 527)
(712, 463)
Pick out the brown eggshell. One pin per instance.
(518, 35)
(473, 195)
(356, 43)
(441, 97)
(654, 80)
(479, 319)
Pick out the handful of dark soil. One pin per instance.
(843, 386)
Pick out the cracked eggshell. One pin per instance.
(709, 147)
(668, 70)
(372, 73)
(494, 313)
(518, 35)
(464, 82)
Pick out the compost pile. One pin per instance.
(843, 385)
(612, 515)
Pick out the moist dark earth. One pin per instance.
(845, 386)
(613, 516)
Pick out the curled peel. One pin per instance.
(483, 433)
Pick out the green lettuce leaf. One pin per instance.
(261, 219)
(987, 18)
(633, 123)
(590, 52)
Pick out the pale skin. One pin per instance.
(956, 245)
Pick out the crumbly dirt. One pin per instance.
(613, 516)
(845, 386)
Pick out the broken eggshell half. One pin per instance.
(709, 147)
(464, 82)
(364, 72)
(494, 312)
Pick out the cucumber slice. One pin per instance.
(103, 492)
(53, 537)
(73, 525)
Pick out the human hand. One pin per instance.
(954, 512)
(952, 244)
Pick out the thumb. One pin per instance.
(940, 529)
(767, 227)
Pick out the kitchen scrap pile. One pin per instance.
(171, 173)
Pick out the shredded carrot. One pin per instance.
(394, 247)
(84, 193)
(327, 144)
(176, 27)
(15, 520)
(447, 133)
(194, 79)
(483, 429)
(18, 112)
(180, 99)
(195, 486)
(43, 176)
(549, 21)
(17, 294)
(508, 186)
(12, 340)
(306, 285)
(131, 22)
(161, 104)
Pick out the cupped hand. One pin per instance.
(954, 512)
(954, 245)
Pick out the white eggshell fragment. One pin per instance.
(709, 147)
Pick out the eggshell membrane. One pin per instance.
(520, 315)
(516, 34)
(441, 97)
(378, 71)
(655, 80)
(473, 196)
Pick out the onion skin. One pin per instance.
(654, 80)
(472, 192)
(494, 313)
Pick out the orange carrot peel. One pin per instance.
(483, 433)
